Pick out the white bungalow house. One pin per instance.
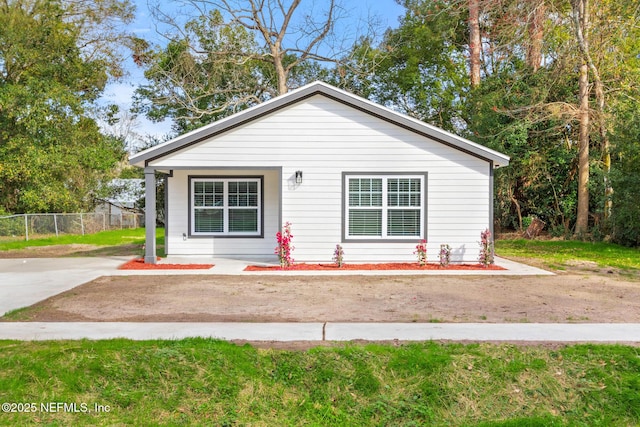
(341, 169)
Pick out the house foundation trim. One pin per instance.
(150, 215)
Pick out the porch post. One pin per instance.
(150, 215)
(491, 196)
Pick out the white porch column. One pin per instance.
(150, 215)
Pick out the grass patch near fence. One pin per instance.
(115, 239)
(557, 254)
(207, 382)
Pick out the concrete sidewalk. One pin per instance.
(504, 332)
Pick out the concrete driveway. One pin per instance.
(24, 282)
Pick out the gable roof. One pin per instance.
(318, 88)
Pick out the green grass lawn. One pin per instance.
(116, 240)
(206, 382)
(554, 254)
(104, 238)
(557, 254)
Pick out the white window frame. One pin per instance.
(385, 208)
(225, 206)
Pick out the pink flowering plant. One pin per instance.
(445, 255)
(284, 248)
(486, 248)
(338, 256)
(421, 252)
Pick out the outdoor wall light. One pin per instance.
(298, 177)
(184, 236)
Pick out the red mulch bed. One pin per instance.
(139, 264)
(377, 266)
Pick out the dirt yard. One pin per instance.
(577, 296)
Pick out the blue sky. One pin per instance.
(120, 93)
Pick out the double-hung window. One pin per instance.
(384, 207)
(226, 206)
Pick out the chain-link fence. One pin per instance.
(31, 226)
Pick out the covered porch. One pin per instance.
(215, 211)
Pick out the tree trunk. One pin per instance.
(475, 42)
(536, 34)
(582, 220)
(580, 9)
(281, 72)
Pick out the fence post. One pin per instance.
(82, 224)
(55, 223)
(26, 227)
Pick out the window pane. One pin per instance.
(208, 221)
(243, 193)
(403, 192)
(365, 222)
(403, 223)
(225, 195)
(365, 192)
(243, 220)
(207, 193)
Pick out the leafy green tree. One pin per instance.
(625, 142)
(524, 98)
(52, 153)
(419, 69)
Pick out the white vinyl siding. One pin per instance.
(384, 207)
(324, 139)
(229, 206)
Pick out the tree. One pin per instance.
(475, 42)
(232, 55)
(100, 33)
(52, 154)
(579, 38)
(419, 69)
(535, 28)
